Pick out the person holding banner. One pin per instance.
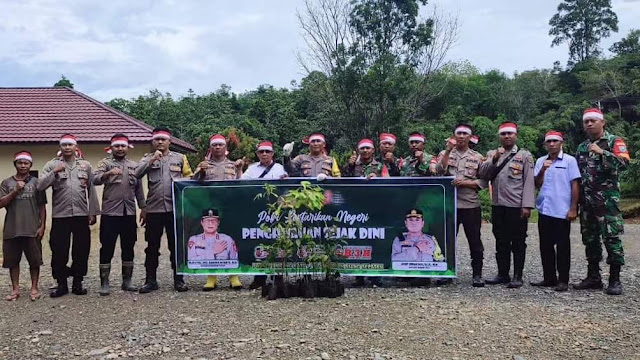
(315, 164)
(24, 224)
(557, 175)
(161, 168)
(266, 168)
(74, 208)
(510, 170)
(387, 148)
(121, 191)
(418, 163)
(216, 166)
(464, 163)
(365, 164)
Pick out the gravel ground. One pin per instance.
(454, 321)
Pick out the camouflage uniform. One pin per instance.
(412, 167)
(599, 197)
(394, 166)
(364, 170)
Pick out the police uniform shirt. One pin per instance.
(73, 190)
(256, 169)
(160, 176)
(202, 248)
(218, 170)
(401, 251)
(120, 191)
(514, 186)
(23, 212)
(465, 166)
(311, 166)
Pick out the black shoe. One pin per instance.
(499, 279)
(178, 284)
(614, 288)
(589, 283)
(477, 281)
(543, 283)
(258, 282)
(149, 286)
(77, 287)
(417, 282)
(515, 283)
(61, 290)
(561, 287)
(359, 282)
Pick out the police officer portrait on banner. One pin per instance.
(211, 249)
(414, 246)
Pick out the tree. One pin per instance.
(583, 23)
(64, 82)
(628, 45)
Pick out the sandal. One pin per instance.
(12, 297)
(35, 296)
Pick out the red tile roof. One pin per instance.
(42, 115)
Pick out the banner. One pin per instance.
(386, 226)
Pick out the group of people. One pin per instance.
(586, 184)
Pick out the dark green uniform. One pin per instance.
(412, 167)
(599, 197)
(360, 169)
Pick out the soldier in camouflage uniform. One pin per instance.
(418, 163)
(387, 148)
(217, 166)
(601, 158)
(315, 164)
(364, 164)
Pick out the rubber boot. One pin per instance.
(77, 287)
(105, 270)
(234, 282)
(150, 284)
(615, 286)
(258, 282)
(62, 289)
(518, 268)
(127, 273)
(212, 281)
(503, 271)
(178, 283)
(593, 279)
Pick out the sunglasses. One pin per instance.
(264, 152)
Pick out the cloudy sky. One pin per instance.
(124, 48)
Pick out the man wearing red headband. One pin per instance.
(601, 160)
(557, 176)
(216, 166)
(23, 224)
(74, 208)
(121, 191)
(315, 164)
(510, 170)
(464, 163)
(416, 164)
(387, 149)
(161, 168)
(364, 163)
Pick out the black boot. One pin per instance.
(359, 281)
(518, 268)
(593, 279)
(258, 282)
(178, 283)
(127, 273)
(476, 265)
(516, 282)
(105, 270)
(77, 287)
(499, 279)
(615, 286)
(62, 288)
(150, 284)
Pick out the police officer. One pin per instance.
(417, 164)
(210, 244)
(510, 170)
(315, 164)
(74, 208)
(161, 168)
(464, 163)
(387, 149)
(121, 191)
(601, 159)
(414, 245)
(216, 166)
(364, 164)
(24, 224)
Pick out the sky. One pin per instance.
(124, 48)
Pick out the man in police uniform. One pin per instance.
(216, 166)
(510, 170)
(24, 224)
(121, 191)
(387, 149)
(414, 245)
(315, 164)
(460, 161)
(601, 159)
(416, 164)
(161, 168)
(74, 208)
(365, 164)
(210, 244)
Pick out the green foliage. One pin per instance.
(628, 45)
(64, 82)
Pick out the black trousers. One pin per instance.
(510, 231)
(157, 223)
(554, 235)
(110, 228)
(471, 220)
(60, 241)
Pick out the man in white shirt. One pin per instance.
(266, 168)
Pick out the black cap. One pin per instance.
(209, 213)
(414, 213)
